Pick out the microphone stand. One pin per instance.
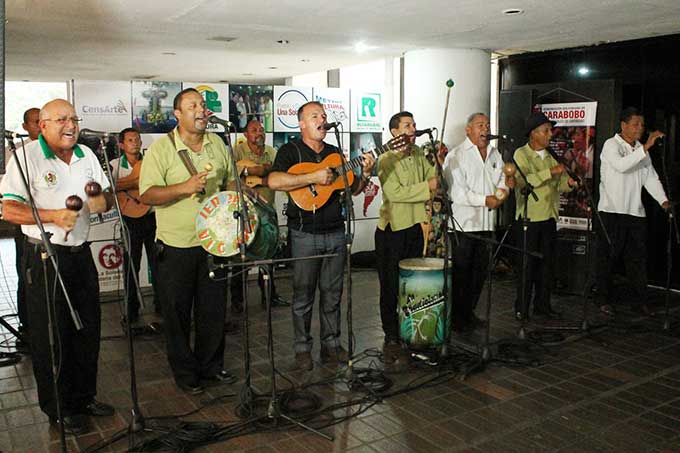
(449, 220)
(672, 228)
(349, 237)
(522, 314)
(48, 252)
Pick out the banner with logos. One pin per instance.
(336, 104)
(152, 110)
(366, 112)
(103, 106)
(574, 141)
(287, 101)
(216, 97)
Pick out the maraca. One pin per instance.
(73, 203)
(208, 167)
(501, 194)
(509, 169)
(94, 189)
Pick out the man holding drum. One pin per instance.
(407, 180)
(167, 183)
(474, 172)
(314, 232)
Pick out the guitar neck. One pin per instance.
(356, 162)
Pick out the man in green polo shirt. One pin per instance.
(407, 180)
(548, 179)
(183, 279)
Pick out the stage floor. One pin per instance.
(618, 390)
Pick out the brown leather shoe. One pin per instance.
(334, 355)
(303, 361)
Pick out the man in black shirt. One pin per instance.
(315, 232)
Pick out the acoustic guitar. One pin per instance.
(314, 196)
(128, 200)
(251, 180)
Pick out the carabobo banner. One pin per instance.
(574, 141)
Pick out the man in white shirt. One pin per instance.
(474, 172)
(30, 125)
(625, 168)
(58, 167)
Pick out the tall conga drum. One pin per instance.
(422, 303)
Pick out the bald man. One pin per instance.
(57, 168)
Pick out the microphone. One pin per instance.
(215, 120)
(9, 135)
(329, 126)
(499, 136)
(97, 134)
(424, 131)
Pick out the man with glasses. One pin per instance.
(57, 167)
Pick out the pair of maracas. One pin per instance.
(509, 170)
(75, 203)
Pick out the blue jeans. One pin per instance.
(327, 274)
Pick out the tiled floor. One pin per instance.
(617, 390)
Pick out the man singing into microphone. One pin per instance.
(474, 173)
(548, 179)
(407, 180)
(625, 168)
(317, 232)
(183, 274)
(57, 167)
(256, 152)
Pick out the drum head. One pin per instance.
(422, 264)
(216, 227)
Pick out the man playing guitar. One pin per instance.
(139, 218)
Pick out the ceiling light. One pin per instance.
(283, 41)
(273, 67)
(583, 70)
(361, 47)
(513, 11)
(247, 74)
(305, 60)
(169, 53)
(144, 77)
(222, 38)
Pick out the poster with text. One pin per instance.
(103, 106)
(574, 141)
(336, 104)
(368, 204)
(251, 101)
(287, 101)
(366, 112)
(216, 97)
(152, 110)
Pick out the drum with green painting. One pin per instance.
(422, 303)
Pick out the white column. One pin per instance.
(425, 75)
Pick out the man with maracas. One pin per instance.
(61, 174)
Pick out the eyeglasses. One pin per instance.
(61, 121)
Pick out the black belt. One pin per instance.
(61, 248)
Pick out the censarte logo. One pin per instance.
(114, 109)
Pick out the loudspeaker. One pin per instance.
(576, 260)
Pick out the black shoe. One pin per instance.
(221, 377)
(190, 389)
(236, 308)
(643, 309)
(98, 409)
(519, 316)
(232, 327)
(73, 424)
(476, 322)
(303, 361)
(278, 301)
(548, 314)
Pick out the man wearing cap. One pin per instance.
(548, 179)
(57, 167)
(625, 168)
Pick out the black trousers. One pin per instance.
(22, 310)
(142, 234)
(77, 351)
(628, 235)
(541, 237)
(185, 286)
(390, 248)
(470, 263)
(236, 285)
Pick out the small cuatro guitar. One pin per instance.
(314, 196)
(128, 200)
(251, 180)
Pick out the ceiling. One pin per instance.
(183, 39)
